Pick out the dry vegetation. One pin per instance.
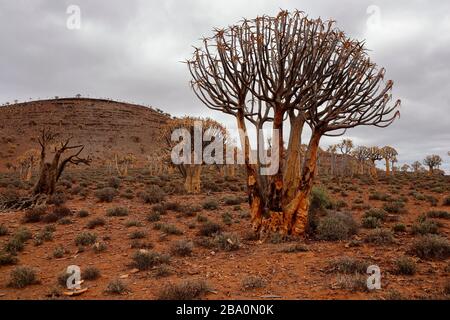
(199, 246)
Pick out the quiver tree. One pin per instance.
(389, 154)
(405, 168)
(192, 159)
(432, 162)
(123, 162)
(50, 171)
(332, 151)
(374, 154)
(345, 147)
(272, 70)
(360, 153)
(416, 166)
(27, 162)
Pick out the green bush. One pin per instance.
(336, 226)
(431, 247)
(22, 277)
(106, 194)
(186, 290)
(405, 266)
(210, 228)
(145, 260)
(379, 236)
(85, 239)
(117, 212)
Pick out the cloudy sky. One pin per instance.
(131, 50)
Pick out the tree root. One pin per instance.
(22, 203)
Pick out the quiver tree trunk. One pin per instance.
(192, 183)
(292, 219)
(293, 160)
(388, 171)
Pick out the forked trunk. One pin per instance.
(293, 162)
(47, 180)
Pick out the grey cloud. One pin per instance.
(132, 51)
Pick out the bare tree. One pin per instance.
(433, 162)
(271, 70)
(50, 172)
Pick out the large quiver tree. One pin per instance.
(271, 70)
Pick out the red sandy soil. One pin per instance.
(299, 275)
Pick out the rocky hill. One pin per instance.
(103, 126)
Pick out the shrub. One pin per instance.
(182, 248)
(136, 244)
(137, 235)
(231, 201)
(379, 236)
(3, 230)
(154, 217)
(349, 265)
(431, 247)
(154, 194)
(210, 205)
(210, 228)
(168, 228)
(394, 207)
(96, 222)
(446, 201)
(380, 214)
(227, 241)
(379, 196)
(201, 218)
(90, 273)
(58, 199)
(99, 247)
(144, 260)
(399, 227)
(336, 226)
(227, 218)
(352, 282)
(34, 215)
(116, 287)
(117, 212)
(186, 290)
(106, 194)
(162, 271)
(114, 182)
(299, 247)
(159, 208)
(172, 206)
(59, 252)
(133, 223)
(253, 282)
(7, 259)
(425, 227)
(405, 266)
(83, 213)
(370, 222)
(438, 214)
(22, 277)
(57, 214)
(85, 239)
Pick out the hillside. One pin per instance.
(101, 125)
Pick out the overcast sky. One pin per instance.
(131, 50)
